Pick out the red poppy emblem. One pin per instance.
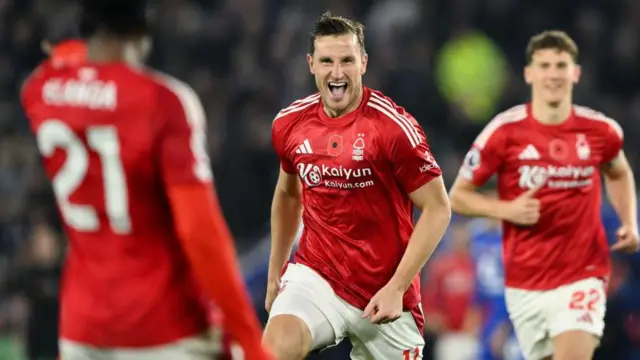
(334, 147)
(558, 149)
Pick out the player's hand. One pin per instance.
(385, 306)
(273, 287)
(628, 239)
(525, 209)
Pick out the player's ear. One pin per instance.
(310, 62)
(528, 76)
(365, 61)
(46, 47)
(577, 71)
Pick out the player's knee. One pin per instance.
(288, 337)
(574, 345)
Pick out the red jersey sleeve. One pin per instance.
(411, 158)
(183, 152)
(278, 140)
(200, 225)
(486, 154)
(614, 140)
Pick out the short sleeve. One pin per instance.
(182, 139)
(278, 141)
(411, 158)
(614, 140)
(484, 159)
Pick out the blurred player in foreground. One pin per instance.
(125, 149)
(353, 165)
(548, 156)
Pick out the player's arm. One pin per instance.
(621, 189)
(481, 162)
(467, 200)
(286, 211)
(417, 171)
(197, 216)
(432, 200)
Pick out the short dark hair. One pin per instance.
(114, 17)
(331, 25)
(552, 39)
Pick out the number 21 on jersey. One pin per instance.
(54, 134)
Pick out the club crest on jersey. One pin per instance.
(582, 147)
(334, 147)
(358, 148)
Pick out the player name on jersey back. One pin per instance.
(86, 91)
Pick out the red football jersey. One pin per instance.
(113, 138)
(568, 243)
(357, 171)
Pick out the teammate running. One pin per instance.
(548, 156)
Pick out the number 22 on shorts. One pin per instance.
(585, 300)
(415, 352)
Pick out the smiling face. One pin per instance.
(552, 73)
(338, 63)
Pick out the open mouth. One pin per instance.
(337, 89)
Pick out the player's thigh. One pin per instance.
(574, 345)
(307, 303)
(71, 350)
(576, 317)
(195, 348)
(527, 314)
(400, 339)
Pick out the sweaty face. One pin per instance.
(552, 74)
(338, 65)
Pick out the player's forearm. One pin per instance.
(426, 236)
(216, 266)
(286, 212)
(208, 245)
(471, 203)
(621, 191)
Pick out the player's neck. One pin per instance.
(107, 50)
(354, 105)
(551, 114)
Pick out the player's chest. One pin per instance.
(561, 160)
(335, 156)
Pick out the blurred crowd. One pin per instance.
(451, 63)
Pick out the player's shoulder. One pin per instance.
(176, 95)
(296, 111)
(166, 84)
(393, 119)
(502, 122)
(597, 119)
(382, 107)
(35, 80)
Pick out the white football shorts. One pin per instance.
(538, 316)
(305, 294)
(194, 348)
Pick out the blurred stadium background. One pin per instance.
(452, 63)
